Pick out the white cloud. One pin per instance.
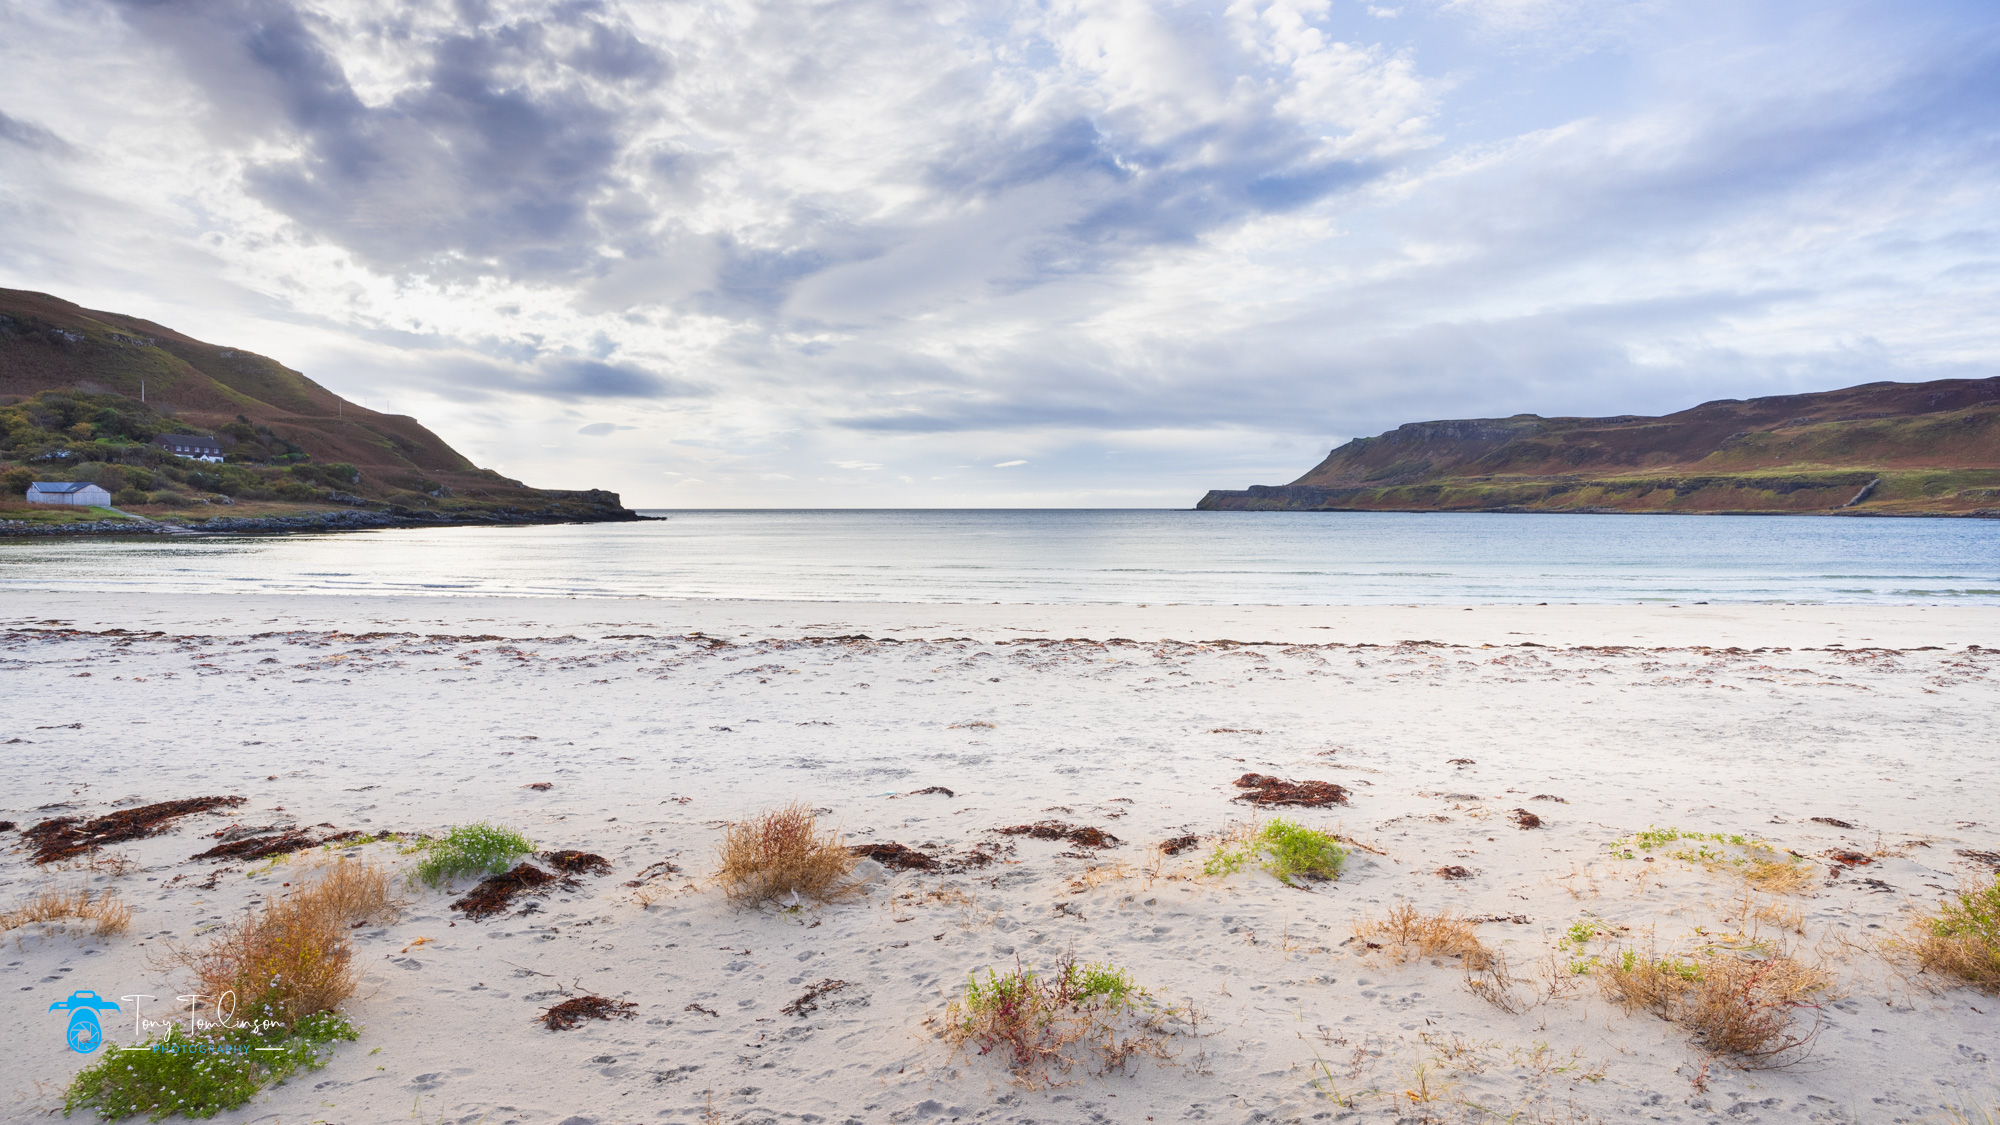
(1153, 249)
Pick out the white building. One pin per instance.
(194, 447)
(65, 492)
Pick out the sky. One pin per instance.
(1067, 253)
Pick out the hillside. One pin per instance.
(1876, 449)
(83, 393)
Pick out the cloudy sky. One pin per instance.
(720, 253)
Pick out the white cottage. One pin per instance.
(194, 447)
(67, 492)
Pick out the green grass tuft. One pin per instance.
(1975, 914)
(201, 1075)
(1291, 851)
(1300, 852)
(468, 849)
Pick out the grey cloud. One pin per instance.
(475, 162)
(602, 429)
(29, 135)
(563, 378)
(476, 169)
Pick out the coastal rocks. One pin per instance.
(93, 527)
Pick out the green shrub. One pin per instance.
(204, 1073)
(1299, 851)
(469, 849)
(1291, 851)
(1044, 1023)
(1962, 939)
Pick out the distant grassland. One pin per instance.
(83, 393)
(1877, 449)
(1907, 492)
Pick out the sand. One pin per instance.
(655, 723)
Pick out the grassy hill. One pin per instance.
(1876, 449)
(83, 393)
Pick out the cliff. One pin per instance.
(1876, 449)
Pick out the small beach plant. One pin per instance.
(783, 853)
(1962, 938)
(272, 982)
(1044, 1023)
(202, 1073)
(468, 849)
(1745, 1005)
(1758, 862)
(293, 958)
(106, 914)
(1289, 851)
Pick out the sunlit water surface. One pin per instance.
(1074, 556)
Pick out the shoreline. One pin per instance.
(308, 523)
(1742, 625)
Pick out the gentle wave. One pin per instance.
(1073, 556)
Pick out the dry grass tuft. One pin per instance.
(1962, 938)
(107, 914)
(1742, 1005)
(1443, 934)
(293, 959)
(783, 852)
(1778, 876)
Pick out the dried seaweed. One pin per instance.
(572, 1013)
(283, 843)
(653, 871)
(901, 857)
(1264, 789)
(809, 1003)
(66, 837)
(1179, 844)
(1454, 871)
(895, 856)
(1078, 834)
(1837, 823)
(572, 862)
(1990, 859)
(496, 893)
(1526, 819)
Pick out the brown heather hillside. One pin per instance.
(1876, 449)
(70, 387)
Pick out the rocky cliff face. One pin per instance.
(1880, 448)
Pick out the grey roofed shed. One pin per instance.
(80, 493)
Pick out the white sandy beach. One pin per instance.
(656, 722)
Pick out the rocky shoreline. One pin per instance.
(582, 507)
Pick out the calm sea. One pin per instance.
(1076, 556)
